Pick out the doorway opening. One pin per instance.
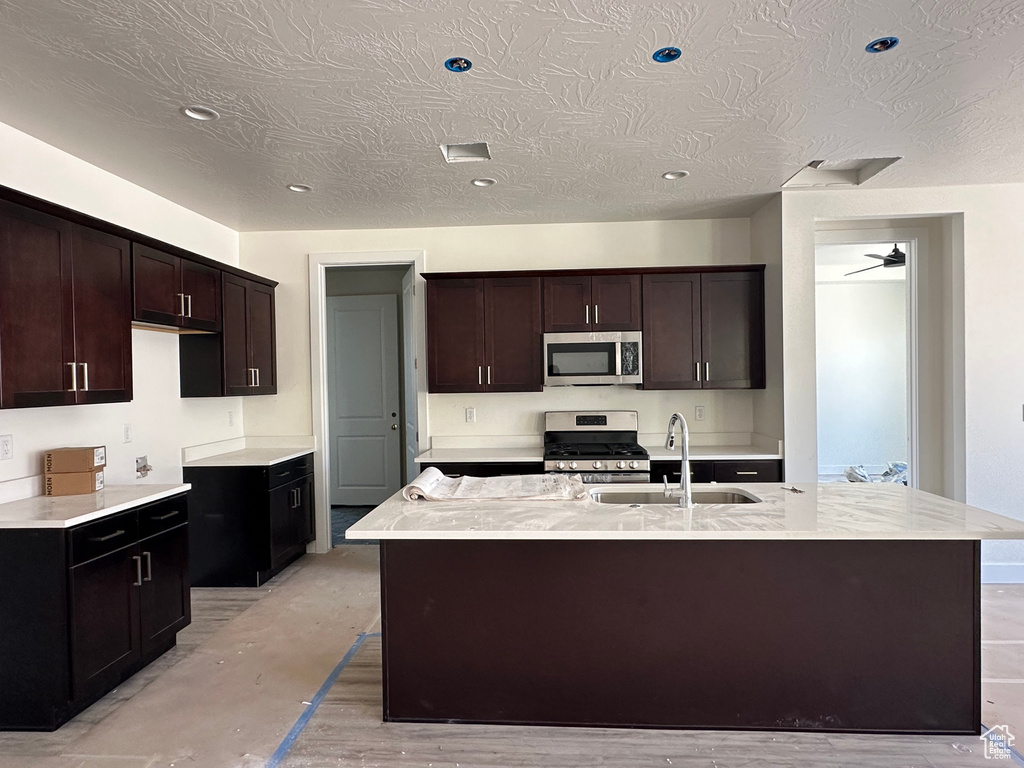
(371, 437)
(865, 327)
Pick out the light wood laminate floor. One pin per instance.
(245, 670)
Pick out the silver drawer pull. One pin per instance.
(181, 303)
(149, 566)
(74, 377)
(169, 514)
(85, 376)
(108, 537)
(746, 472)
(697, 364)
(138, 571)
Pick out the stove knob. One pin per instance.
(634, 464)
(621, 465)
(597, 465)
(573, 465)
(560, 465)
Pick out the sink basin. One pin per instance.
(613, 495)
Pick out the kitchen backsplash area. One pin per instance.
(520, 416)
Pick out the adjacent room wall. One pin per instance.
(283, 257)
(766, 248)
(161, 422)
(991, 354)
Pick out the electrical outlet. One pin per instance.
(698, 413)
(470, 415)
(127, 435)
(231, 418)
(6, 447)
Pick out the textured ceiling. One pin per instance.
(350, 96)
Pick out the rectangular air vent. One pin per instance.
(839, 173)
(465, 153)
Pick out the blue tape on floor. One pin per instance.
(1017, 757)
(305, 717)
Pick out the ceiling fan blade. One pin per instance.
(877, 256)
(857, 272)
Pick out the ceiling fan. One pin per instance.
(895, 259)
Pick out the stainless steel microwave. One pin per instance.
(610, 357)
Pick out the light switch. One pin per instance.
(470, 415)
(6, 447)
(698, 413)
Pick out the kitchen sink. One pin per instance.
(643, 498)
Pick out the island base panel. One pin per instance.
(875, 636)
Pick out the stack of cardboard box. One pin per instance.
(70, 471)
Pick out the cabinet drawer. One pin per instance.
(747, 472)
(486, 468)
(700, 471)
(286, 471)
(163, 515)
(98, 538)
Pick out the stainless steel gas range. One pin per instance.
(599, 445)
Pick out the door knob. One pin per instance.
(394, 426)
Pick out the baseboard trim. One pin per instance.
(1002, 573)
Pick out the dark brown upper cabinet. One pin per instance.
(65, 312)
(704, 330)
(172, 291)
(484, 335)
(591, 303)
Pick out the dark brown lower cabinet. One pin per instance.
(487, 468)
(248, 523)
(723, 471)
(88, 607)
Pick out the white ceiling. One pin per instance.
(351, 97)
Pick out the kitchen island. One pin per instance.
(843, 608)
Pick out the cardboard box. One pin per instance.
(75, 459)
(73, 483)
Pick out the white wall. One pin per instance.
(993, 350)
(766, 248)
(283, 257)
(862, 374)
(162, 422)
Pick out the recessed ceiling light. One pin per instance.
(882, 44)
(300, 188)
(665, 55)
(197, 112)
(673, 175)
(458, 64)
(483, 182)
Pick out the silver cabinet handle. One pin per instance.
(588, 314)
(138, 571)
(149, 566)
(181, 304)
(707, 371)
(74, 377)
(257, 376)
(189, 305)
(746, 472)
(479, 375)
(108, 537)
(169, 514)
(85, 376)
(596, 321)
(698, 370)
(488, 374)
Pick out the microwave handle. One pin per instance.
(618, 358)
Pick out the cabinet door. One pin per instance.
(567, 306)
(103, 326)
(732, 329)
(262, 349)
(283, 533)
(305, 523)
(36, 310)
(455, 335)
(165, 605)
(671, 335)
(234, 344)
(756, 471)
(512, 335)
(156, 279)
(200, 285)
(616, 302)
(103, 607)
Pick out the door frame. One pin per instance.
(318, 265)
(916, 239)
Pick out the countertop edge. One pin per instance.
(87, 517)
(237, 459)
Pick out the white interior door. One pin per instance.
(363, 391)
(409, 377)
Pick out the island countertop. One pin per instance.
(824, 511)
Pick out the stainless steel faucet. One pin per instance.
(670, 443)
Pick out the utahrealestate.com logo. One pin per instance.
(998, 743)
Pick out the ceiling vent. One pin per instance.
(465, 153)
(838, 173)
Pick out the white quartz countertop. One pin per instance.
(249, 457)
(536, 454)
(823, 511)
(66, 511)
